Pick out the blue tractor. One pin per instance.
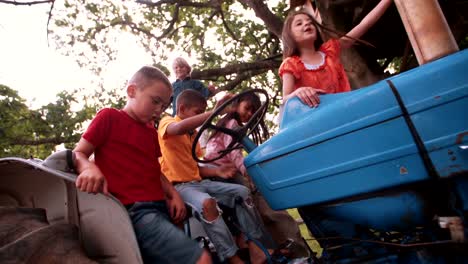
(379, 174)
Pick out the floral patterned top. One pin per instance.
(219, 142)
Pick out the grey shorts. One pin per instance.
(195, 193)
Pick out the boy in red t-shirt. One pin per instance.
(126, 150)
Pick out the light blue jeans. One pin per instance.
(196, 192)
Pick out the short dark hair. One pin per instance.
(148, 74)
(190, 98)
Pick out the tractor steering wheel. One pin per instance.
(237, 134)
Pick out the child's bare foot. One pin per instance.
(205, 258)
(235, 260)
(284, 248)
(257, 256)
(241, 242)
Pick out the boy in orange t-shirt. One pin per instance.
(176, 135)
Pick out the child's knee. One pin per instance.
(246, 200)
(210, 210)
(249, 201)
(243, 192)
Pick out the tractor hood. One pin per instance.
(337, 114)
(369, 139)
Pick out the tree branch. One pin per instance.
(168, 31)
(35, 142)
(236, 68)
(272, 22)
(241, 77)
(48, 20)
(209, 4)
(227, 26)
(26, 3)
(135, 28)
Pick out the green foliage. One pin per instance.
(16, 121)
(218, 34)
(215, 33)
(35, 133)
(464, 43)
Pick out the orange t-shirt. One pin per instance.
(177, 162)
(330, 76)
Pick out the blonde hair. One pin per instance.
(182, 62)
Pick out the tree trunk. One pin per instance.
(356, 68)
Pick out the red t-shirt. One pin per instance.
(330, 76)
(126, 151)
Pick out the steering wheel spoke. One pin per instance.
(236, 134)
(225, 130)
(229, 149)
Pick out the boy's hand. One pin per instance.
(176, 207)
(226, 171)
(222, 100)
(92, 180)
(230, 108)
(212, 89)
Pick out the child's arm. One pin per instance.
(225, 171)
(310, 9)
(368, 21)
(175, 204)
(213, 89)
(189, 124)
(308, 95)
(90, 178)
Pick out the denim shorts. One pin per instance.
(159, 240)
(196, 192)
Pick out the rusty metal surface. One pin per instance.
(460, 137)
(427, 28)
(455, 225)
(27, 237)
(14, 166)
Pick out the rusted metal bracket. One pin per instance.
(455, 226)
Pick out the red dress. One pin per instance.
(330, 76)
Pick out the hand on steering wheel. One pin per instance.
(238, 133)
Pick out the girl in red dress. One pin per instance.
(311, 66)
